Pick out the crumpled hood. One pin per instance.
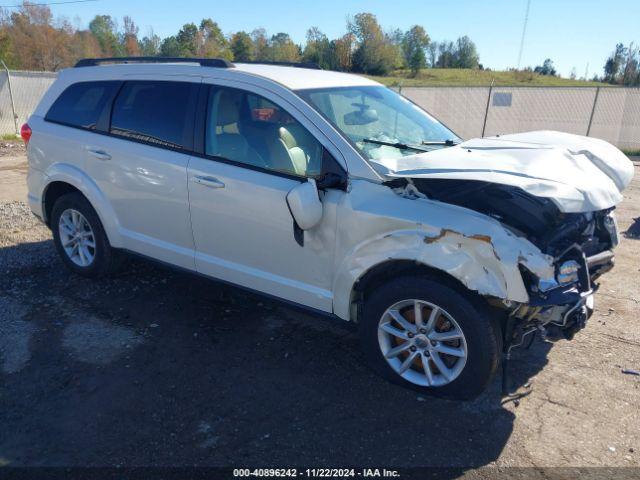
(580, 174)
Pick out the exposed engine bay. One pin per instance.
(536, 218)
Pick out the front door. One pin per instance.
(255, 152)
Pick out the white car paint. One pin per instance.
(242, 233)
(300, 78)
(580, 174)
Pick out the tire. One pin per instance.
(104, 259)
(477, 351)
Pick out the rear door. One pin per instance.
(141, 166)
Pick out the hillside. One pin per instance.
(456, 76)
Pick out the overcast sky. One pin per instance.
(573, 33)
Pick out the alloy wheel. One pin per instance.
(77, 238)
(422, 343)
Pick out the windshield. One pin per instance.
(379, 122)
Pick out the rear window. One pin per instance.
(155, 112)
(81, 104)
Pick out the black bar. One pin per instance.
(486, 112)
(204, 62)
(600, 258)
(311, 65)
(593, 110)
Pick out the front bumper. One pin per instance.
(561, 311)
(591, 268)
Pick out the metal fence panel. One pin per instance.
(616, 117)
(564, 109)
(462, 109)
(614, 113)
(7, 124)
(28, 88)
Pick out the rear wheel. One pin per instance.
(430, 337)
(80, 238)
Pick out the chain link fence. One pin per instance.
(609, 113)
(612, 114)
(20, 93)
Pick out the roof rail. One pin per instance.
(311, 65)
(204, 62)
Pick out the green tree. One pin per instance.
(466, 53)
(7, 49)
(432, 54)
(283, 49)
(150, 44)
(84, 45)
(242, 47)
(631, 70)
(211, 42)
(414, 42)
(170, 47)
(446, 55)
(260, 44)
(187, 40)
(546, 68)
(341, 53)
(104, 30)
(318, 48)
(375, 52)
(614, 65)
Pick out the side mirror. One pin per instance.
(305, 205)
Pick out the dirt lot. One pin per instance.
(161, 368)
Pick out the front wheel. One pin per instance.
(430, 337)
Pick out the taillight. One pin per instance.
(25, 133)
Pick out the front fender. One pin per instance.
(64, 172)
(472, 248)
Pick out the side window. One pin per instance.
(81, 104)
(155, 112)
(249, 129)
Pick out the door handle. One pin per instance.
(210, 182)
(99, 154)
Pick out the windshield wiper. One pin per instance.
(447, 143)
(398, 145)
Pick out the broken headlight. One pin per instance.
(567, 272)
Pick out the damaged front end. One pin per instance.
(580, 245)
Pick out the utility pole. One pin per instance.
(524, 31)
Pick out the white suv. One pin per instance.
(330, 191)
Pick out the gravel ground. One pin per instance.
(154, 367)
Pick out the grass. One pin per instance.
(632, 153)
(465, 77)
(9, 137)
